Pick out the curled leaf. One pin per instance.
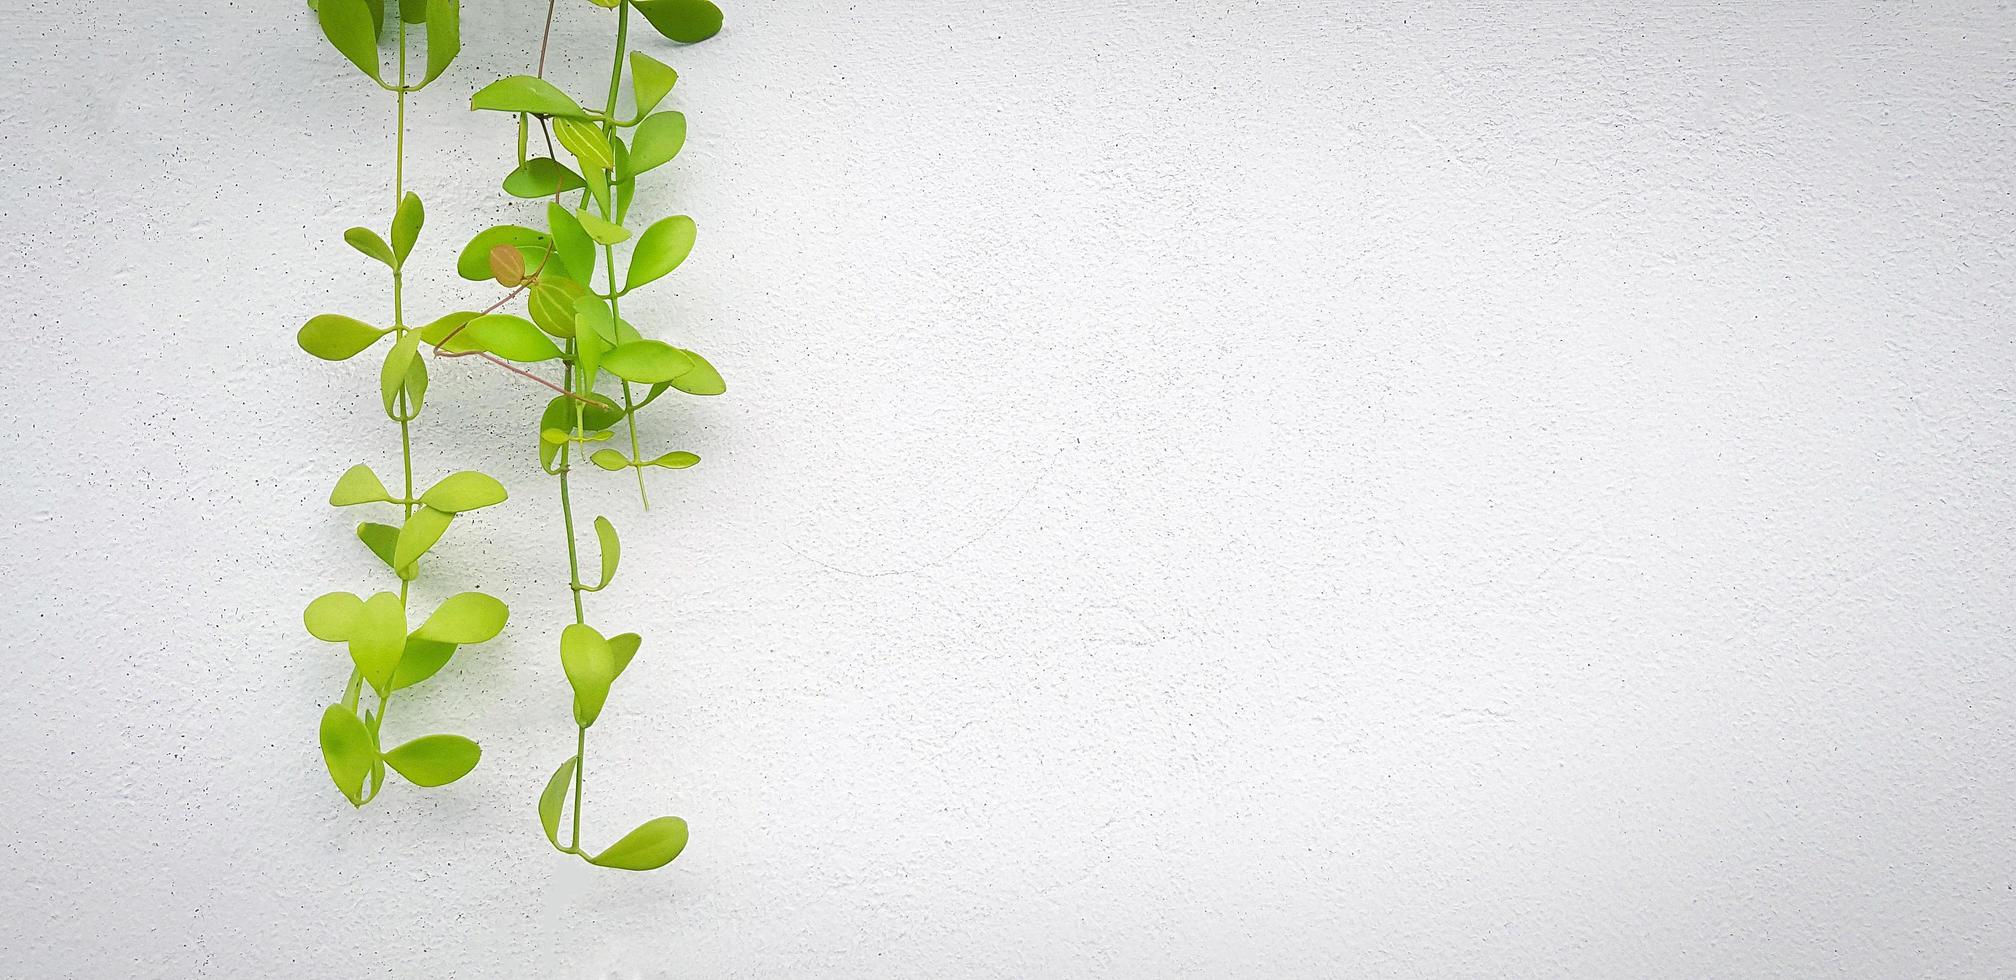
(347, 751)
(554, 798)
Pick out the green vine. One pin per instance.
(384, 654)
(553, 271)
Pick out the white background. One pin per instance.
(1207, 489)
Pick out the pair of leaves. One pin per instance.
(376, 632)
(406, 222)
(352, 26)
(610, 459)
(350, 752)
(457, 492)
(404, 373)
(592, 663)
(654, 844)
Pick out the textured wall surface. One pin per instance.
(1288, 490)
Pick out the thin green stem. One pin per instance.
(399, 324)
(580, 770)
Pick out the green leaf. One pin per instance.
(552, 305)
(349, 26)
(685, 21)
(412, 11)
(647, 361)
(358, 485)
(444, 35)
(554, 797)
(590, 667)
(330, 617)
(378, 638)
(347, 751)
(650, 80)
(622, 648)
(468, 617)
(676, 461)
(416, 386)
(577, 250)
(602, 231)
(382, 539)
(541, 177)
(464, 491)
(612, 549)
(423, 659)
(406, 222)
(609, 459)
(367, 241)
(586, 142)
(434, 760)
(474, 262)
(509, 337)
(525, 93)
(421, 531)
(652, 845)
(660, 250)
(588, 347)
(702, 379)
(337, 338)
(598, 186)
(659, 138)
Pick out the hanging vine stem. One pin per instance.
(593, 340)
(382, 651)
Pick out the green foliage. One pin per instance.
(572, 276)
(383, 655)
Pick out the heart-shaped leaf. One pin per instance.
(367, 241)
(659, 138)
(554, 798)
(337, 338)
(650, 80)
(541, 177)
(421, 531)
(652, 845)
(590, 667)
(464, 491)
(358, 485)
(685, 21)
(434, 760)
(347, 751)
(349, 26)
(444, 35)
(406, 223)
(526, 93)
(660, 250)
(330, 617)
(468, 617)
(474, 262)
(377, 638)
(701, 379)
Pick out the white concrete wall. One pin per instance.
(1286, 490)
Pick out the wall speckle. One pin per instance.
(1284, 489)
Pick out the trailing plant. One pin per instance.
(385, 654)
(572, 321)
(552, 272)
